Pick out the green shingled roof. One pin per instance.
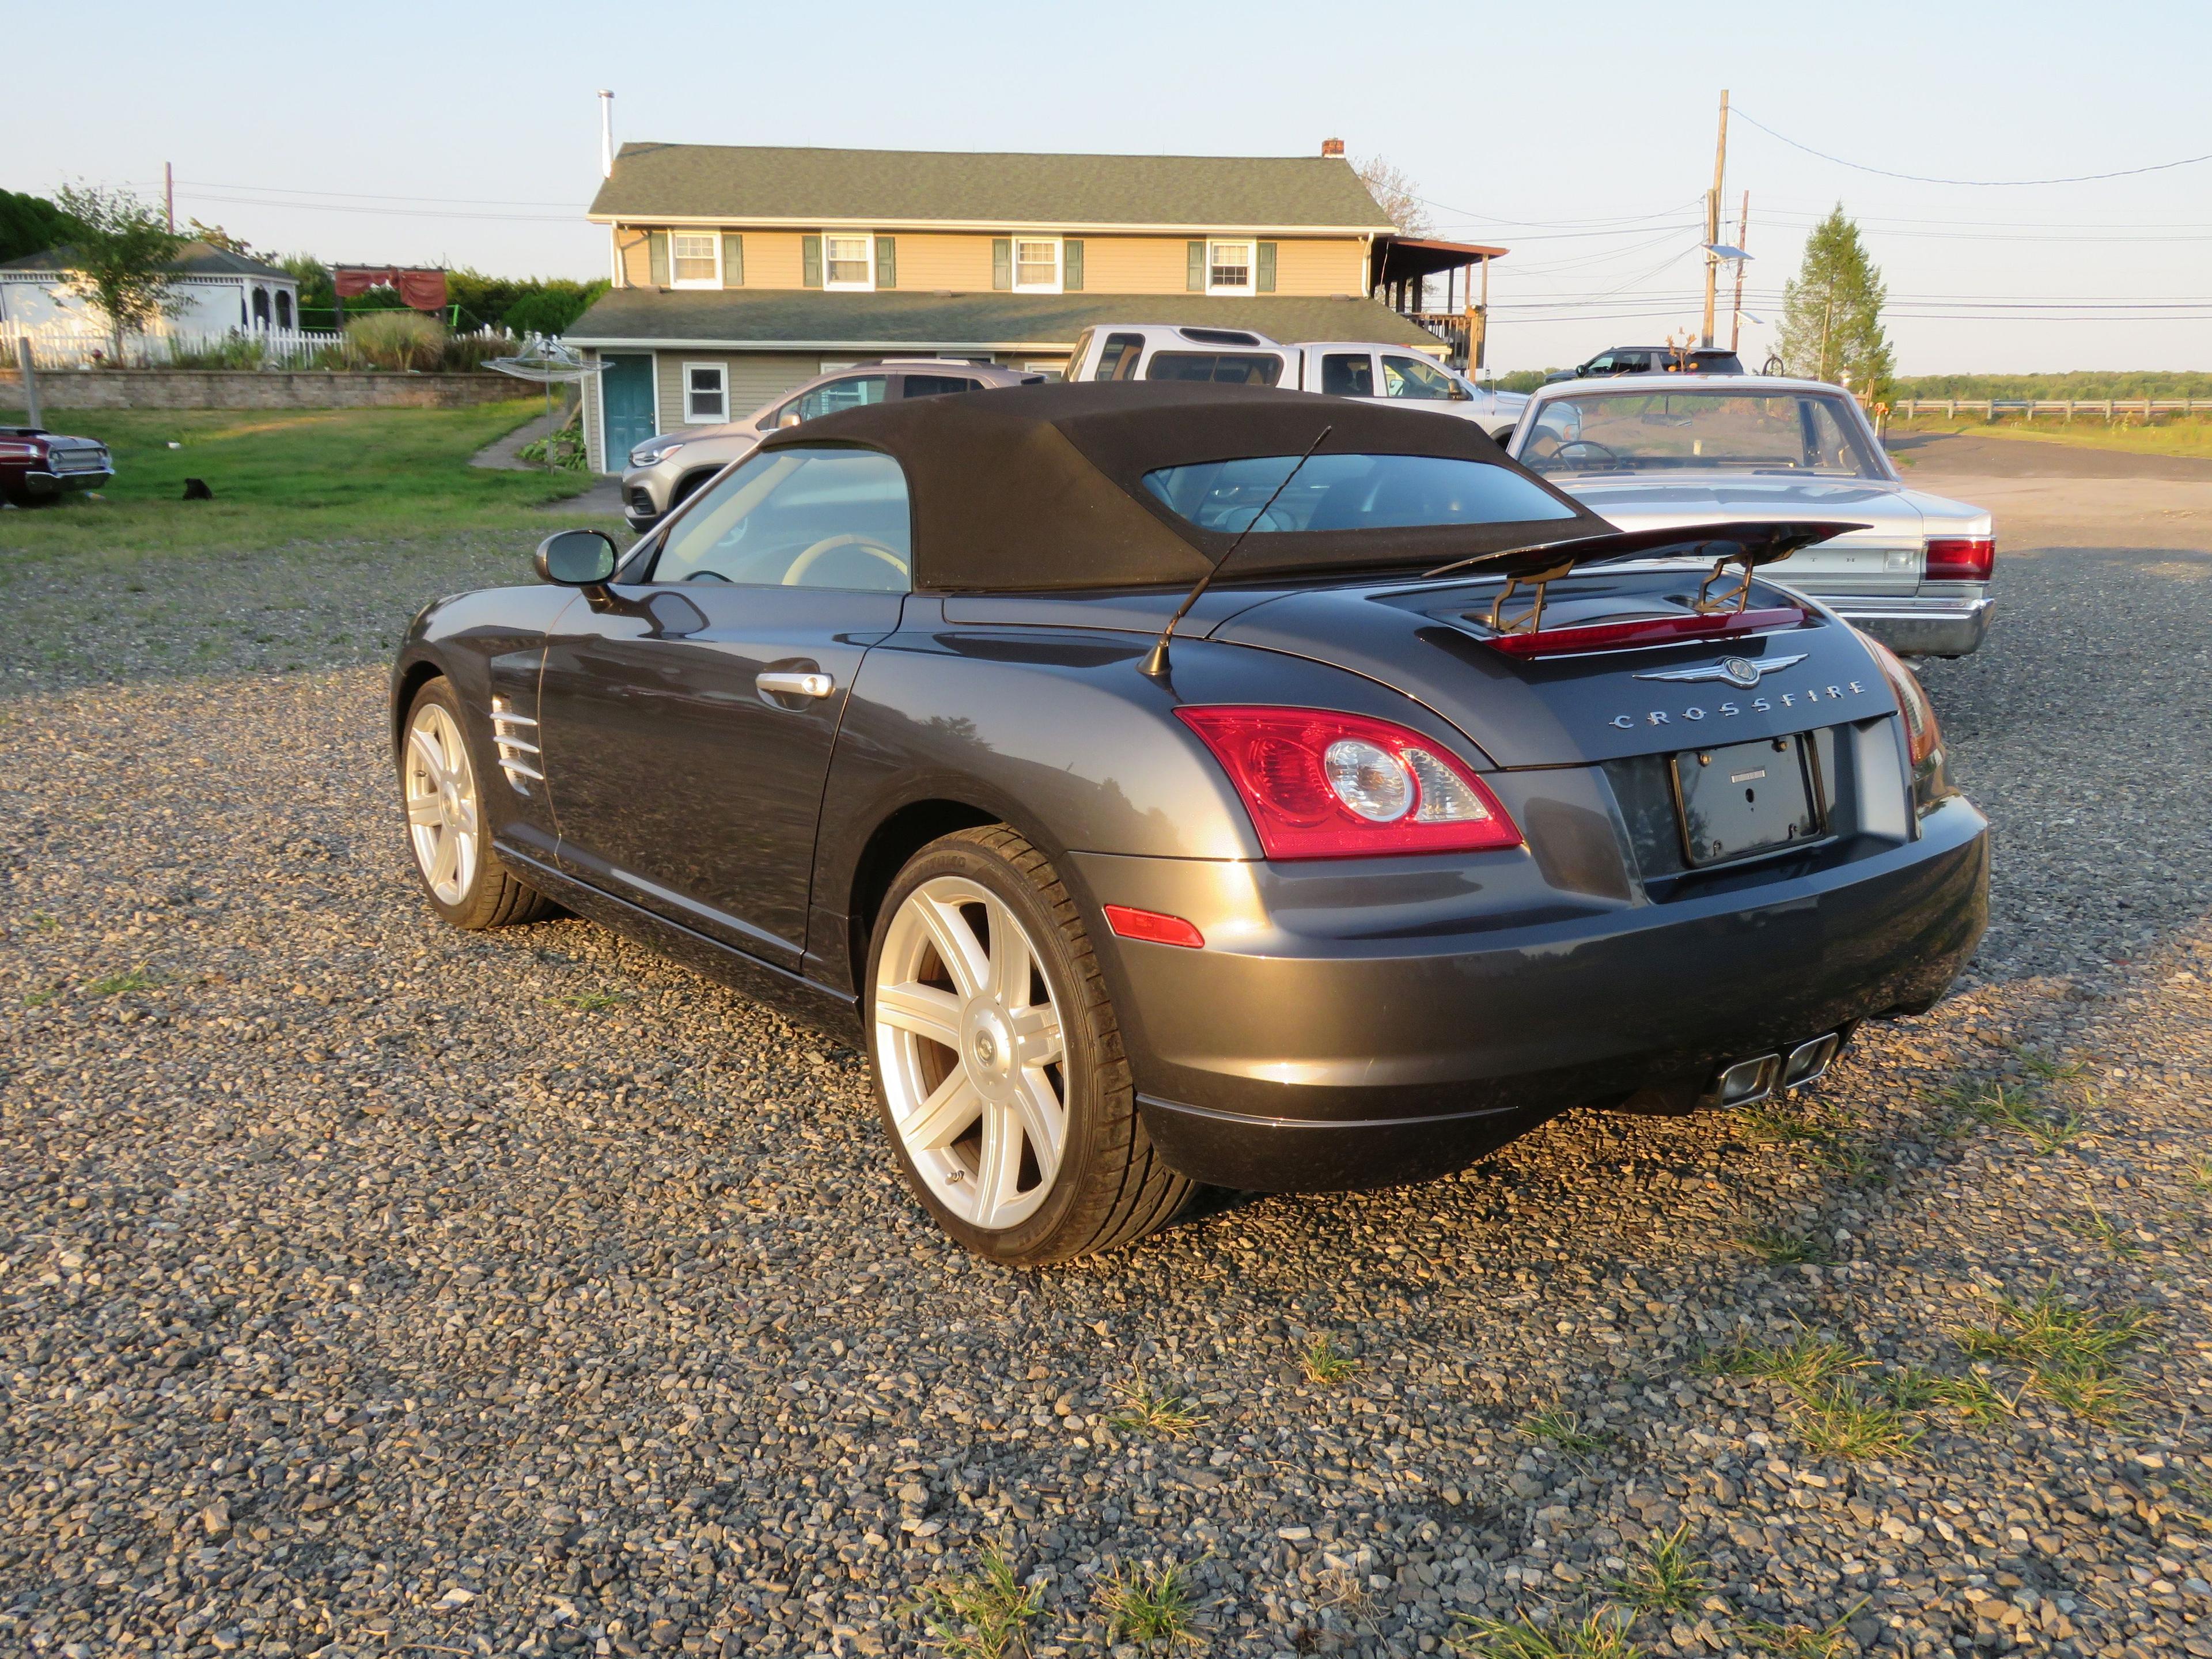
(813, 317)
(753, 183)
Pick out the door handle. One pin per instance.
(794, 686)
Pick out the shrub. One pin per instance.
(465, 353)
(397, 339)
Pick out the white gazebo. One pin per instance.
(218, 292)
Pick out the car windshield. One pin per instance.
(1727, 429)
(1349, 492)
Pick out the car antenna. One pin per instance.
(1155, 664)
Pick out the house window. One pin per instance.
(1036, 265)
(696, 261)
(848, 262)
(706, 394)
(1229, 268)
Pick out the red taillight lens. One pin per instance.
(1921, 735)
(1152, 926)
(1961, 559)
(1325, 786)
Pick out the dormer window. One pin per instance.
(848, 262)
(694, 260)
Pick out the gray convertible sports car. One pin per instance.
(1442, 811)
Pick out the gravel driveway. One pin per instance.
(368, 1288)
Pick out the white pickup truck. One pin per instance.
(1341, 369)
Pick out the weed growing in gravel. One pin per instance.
(1146, 1412)
(1668, 1578)
(1600, 1634)
(2100, 1229)
(1797, 1124)
(1783, 1249)
(1323, 1365)
(2015, 1109)
(2070, 1354)
(2049, 1071)
(114, 985)
(1140, 1607)
(42, 922)
(2200, 1177)
(1840, 1422)
(1807, 1363)
(1800, 1641)
(1562, 1429)
(1973, 1397)
(40, 998)
(984, 1614)
(590, 1002)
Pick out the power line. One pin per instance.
(1979, 183)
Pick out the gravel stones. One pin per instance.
(373, 1288)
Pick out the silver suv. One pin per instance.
(664, 471)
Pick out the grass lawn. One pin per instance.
(287, 475)
(329, 529)
(2168, 436)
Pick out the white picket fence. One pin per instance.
(55, 349)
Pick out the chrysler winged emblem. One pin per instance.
(1736, 670)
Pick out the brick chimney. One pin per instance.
(1332, 147)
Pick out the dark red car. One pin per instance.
(37, 466)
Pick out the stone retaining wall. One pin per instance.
(250, 388)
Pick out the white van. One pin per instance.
(1341, 369)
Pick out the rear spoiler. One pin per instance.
(1740, 547)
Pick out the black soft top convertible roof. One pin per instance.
(1042, 487)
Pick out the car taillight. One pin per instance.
(1328, 785)
(1154, 928)
(1921, 735)
(1961, 559)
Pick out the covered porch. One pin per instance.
(1402, 272)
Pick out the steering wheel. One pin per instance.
(829, 544)
(1586, 443)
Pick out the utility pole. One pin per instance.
(169, 192)
(1713, 218)
(1735, 327)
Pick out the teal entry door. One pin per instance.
(626, 386)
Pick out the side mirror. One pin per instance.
(1504, 438)
(577, 558)
(790, 418)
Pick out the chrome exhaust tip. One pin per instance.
(1808, 1061)
(1747, 1080)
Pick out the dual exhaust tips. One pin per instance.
(1750, 1080)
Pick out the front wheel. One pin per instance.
(446, 829)
(997, 1059)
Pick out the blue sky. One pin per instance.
(1579, 135)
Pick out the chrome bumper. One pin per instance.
(1921, 627)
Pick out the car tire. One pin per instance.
(998, 1067)
(442, 797)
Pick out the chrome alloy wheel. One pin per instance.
(443, 819)
(967, 1039)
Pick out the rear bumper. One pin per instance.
(1921, 627)
(1281, 1059)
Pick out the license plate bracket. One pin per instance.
(1740, 799)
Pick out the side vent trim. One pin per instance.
(511, 733)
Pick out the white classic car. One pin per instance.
(1650, 451)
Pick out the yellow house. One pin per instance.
(740, 271)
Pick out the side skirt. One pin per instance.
(834, 1013)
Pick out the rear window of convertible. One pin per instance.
(1350, 492)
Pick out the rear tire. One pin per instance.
(998, 1065)
(442, 797)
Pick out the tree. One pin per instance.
(1395, 194)
(31, 224)
(216, 236)
(1832, 312)
(119, 258)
